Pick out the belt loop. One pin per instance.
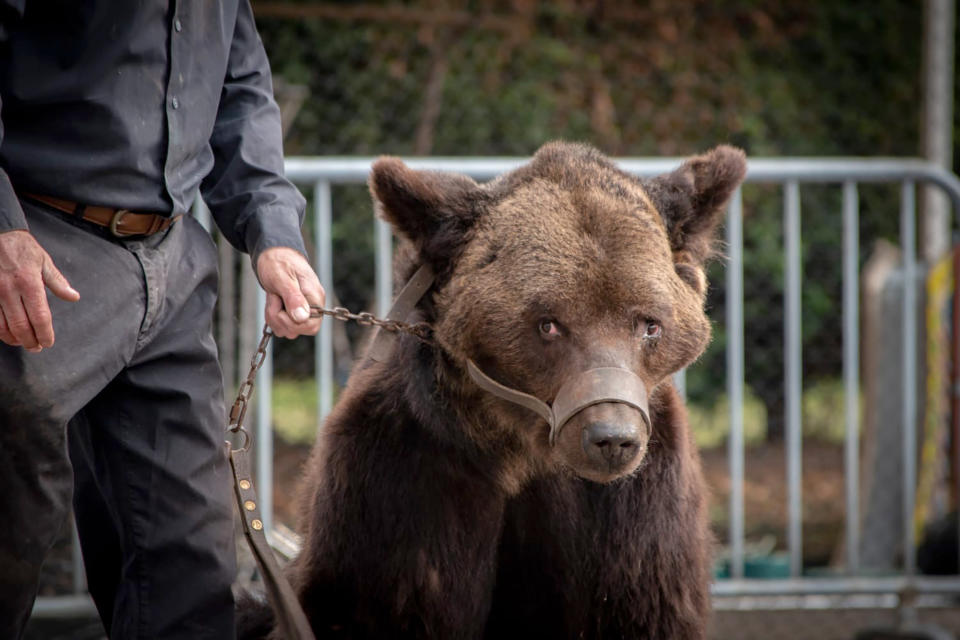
(80, 209)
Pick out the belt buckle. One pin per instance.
(115, 220)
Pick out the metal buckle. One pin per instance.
(115, 220)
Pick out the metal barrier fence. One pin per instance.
(318, 174)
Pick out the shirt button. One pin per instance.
(175, 103)
(177, 25)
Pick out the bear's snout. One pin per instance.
(604, 441)
(612, 445)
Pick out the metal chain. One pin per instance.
(422, 331)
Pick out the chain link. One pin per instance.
(422, 331)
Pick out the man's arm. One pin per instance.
(11, 215)
(255, 207)
(25, 268)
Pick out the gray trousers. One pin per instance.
(132, 388)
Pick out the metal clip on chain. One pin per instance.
(238, 412)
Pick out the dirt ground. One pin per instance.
(765, 496)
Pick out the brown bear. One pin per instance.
(436, 505)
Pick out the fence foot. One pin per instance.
(913, 632)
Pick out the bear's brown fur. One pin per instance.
(433, 509)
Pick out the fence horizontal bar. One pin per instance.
(804, 586)
(71, 606)
(817, 602)
(352, 169)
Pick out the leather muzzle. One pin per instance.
(594, 386)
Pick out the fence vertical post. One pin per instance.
(76, 557)
(384, 257)
(735, 444)
(202, 213)
(680, 383)
(264, 426)
(851, 370)
(793, 375)
(909, 379)
(227, 316)
(324, 346)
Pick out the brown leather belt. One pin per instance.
(121, 222)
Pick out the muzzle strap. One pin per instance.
(594, 386)
(487, 383)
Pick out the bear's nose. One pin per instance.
(610, 444)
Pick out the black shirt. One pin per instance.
(137, 104)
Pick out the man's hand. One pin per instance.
(25, 268)
(291, 286)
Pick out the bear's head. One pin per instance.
(564, 266)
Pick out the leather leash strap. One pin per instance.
(120, 222)
(289, 614)
(407, 299)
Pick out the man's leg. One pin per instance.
(40, 392)
(96, 515)
(156, 452)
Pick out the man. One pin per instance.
(113, 115)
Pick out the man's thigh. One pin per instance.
(156, 457)
(95, 336)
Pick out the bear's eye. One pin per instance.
(653, 329)
(549, 329)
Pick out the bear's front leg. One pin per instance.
(400, 538)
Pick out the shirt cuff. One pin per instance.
(273, 227)
(11, 213)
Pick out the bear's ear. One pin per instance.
(692, 200)
(431, 209)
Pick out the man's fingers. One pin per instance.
(19, 324)
(278, 319)
(58, 283)
(38, 313)
(5, 335)
(293, 301)
(25, 269)
(312, 289)
(285, 273)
